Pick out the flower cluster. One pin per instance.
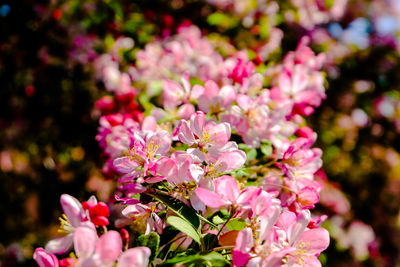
(193, 154)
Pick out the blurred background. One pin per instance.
(49, 117)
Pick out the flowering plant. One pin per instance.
(212, 168)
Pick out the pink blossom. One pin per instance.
(214, 99)
(143, 152)
(146, 217)
(44, 259)
(94, 251)
(135, 257)
(227, 193)
(74, 216)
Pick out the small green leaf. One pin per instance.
(197, 260)
(181, 209)
(251, 154)
(152, 241)
(207, 221)
(266, 149)
(217, 18)
(218, 220)
(236, 224)
(184, 227)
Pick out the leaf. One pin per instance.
(236, 224)
(152, 241)
(266, 149)
(181, 209)
(218, 220)
(213, 257)
(251, 154)
(217, 18)
(184, 227)
(207, 221)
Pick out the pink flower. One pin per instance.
(253, 242)
(227, 193)
(202, 136)
(175, 95)
(143, 153)
(94, 251)
(135, 257)
(214, 99)
(299, 161)
(74, 216)
(44, 259)
(146, 217)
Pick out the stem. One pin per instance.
(222, 248)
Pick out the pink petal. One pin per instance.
(239, 258)
(73, 209)
(244, 240)
(314, 241)
(109, 247)
(167, 168)
(85, 240)
(59, 245)
(231, 160)
(135, 257)
(125, 164)
(172, 94)
(220, 134)
(227, 95)
(244, 101)
(298, 227)
(197, 91)
(210, 198)
(197, 123)
(185, 134)
(44, 259)
(196, 172)
(227, 188)
(185, 111)
(149, 124)
(247, 196)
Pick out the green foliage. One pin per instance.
(236, 224)
(151, 241)
(210, 259)
(185, 212)
(185, 227)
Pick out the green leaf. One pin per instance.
(152, 241)
(251, 154)
(218, 220)
(236, 224)
(185, 227)
(217, 18)
(178, 207)
(266, 148)
(207, 221)
(200, 259)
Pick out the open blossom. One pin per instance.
(205, 138)
(300, 161)
(174, 94)
(74, 216)
(227, 193)
(211, 98)
(145, 216)
(105, 251)
(306, 244)
(143, 152)
(252, 243)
